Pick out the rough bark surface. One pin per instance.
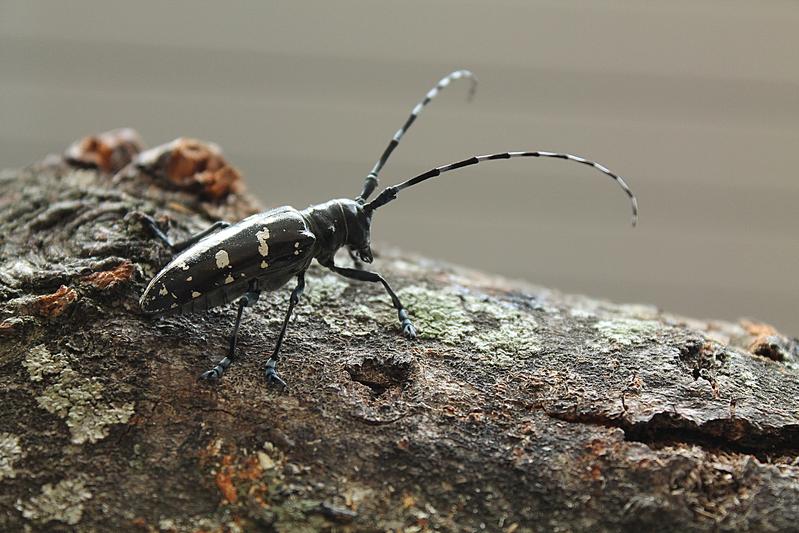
(519, 409)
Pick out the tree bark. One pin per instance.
(518, 409)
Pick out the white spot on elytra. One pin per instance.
(222, 259)
(262, 236)
(264, 264)
(189, 278)
(195, 294)
(229, 279)
(296, 245)
(296, 252)
(183, 266)
(163, 291)
(173, 306)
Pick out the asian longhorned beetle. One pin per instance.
(236, 262)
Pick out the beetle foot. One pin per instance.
(408, 329)
(210, 376)
(152, 227)
(145, 220)
(274, 380)
(213, 375)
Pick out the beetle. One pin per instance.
(234, 263)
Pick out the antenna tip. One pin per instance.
(472, 90)
(473, 82)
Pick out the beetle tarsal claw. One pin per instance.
(210, 376)
(408, 329)
(274, 380)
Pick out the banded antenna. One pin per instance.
(390, 193)
(370, 184)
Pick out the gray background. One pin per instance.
(695, 102)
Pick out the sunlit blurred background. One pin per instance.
(695, 102)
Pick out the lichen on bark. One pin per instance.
(10, 453)
(62, 502)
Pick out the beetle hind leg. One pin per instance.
(150, 223)
(272, 377)
(215, 373)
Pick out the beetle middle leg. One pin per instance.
(272, 377)
(408, 329)
(215, 373)
(181, 245)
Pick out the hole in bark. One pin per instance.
(702, 359)
(774, 347)
(382, 374)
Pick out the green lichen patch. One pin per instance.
(628, 331)
(449, 315)
(324, 296)
(496, 309)
(62, 502)
(40, 363)
(324, 290)
(70, 389)
(71, 396)
(514, 337)
(507, 343)
(454, 315)
(89, 423)
(362, 320)
(438, 314)
(10, 453)
(80, 401)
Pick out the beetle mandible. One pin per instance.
(235, 263)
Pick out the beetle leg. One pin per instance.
(215, 373)
(182, 245)
(272, 378)
(408, 328)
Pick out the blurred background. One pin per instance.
(695, 102)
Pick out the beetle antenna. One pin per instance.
(390, 193)
(370, 184)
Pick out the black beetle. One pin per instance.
(227, 263)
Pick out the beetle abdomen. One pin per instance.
(268, 249)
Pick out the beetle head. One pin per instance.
(358, 223)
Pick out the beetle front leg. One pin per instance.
(408, 329)
(215, 373)
(151, 225)
(272, 377)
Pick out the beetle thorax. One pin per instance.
(338, 223)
